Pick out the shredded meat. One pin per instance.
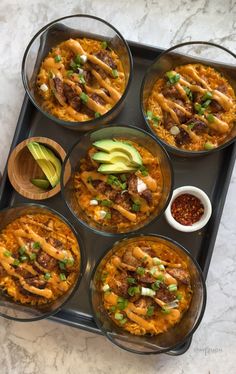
(143, 302)
(168, 121)
(171, 92)
(132, 183)
(164, 294)
(88, 77)
(101, 186)
(119, 284)
(147, 195)
(129, 259)
(72, 97)
(46, 261)
(199, 126)
(2, 271)
(106, 58)
(183, 137)
(59, 92)
(216, 107)
(179, 274)
(146, 278)
(36, 282)
(98, 99)
(86, 110)
(23, 272)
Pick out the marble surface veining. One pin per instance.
(46, 347)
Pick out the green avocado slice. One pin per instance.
(109, 145)
(111, 158)
(117, 168)
(41, 183)
(47, 161)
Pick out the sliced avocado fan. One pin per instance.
(47, 161)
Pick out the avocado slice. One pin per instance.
(109, 145)
(41, 183)
(111, 158)
(119, 167)
(47, 161)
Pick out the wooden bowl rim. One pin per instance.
(56, 147)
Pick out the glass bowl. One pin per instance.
(79, 150)
(207, 53)
(19, 312)
(62, 29)
(163, 342)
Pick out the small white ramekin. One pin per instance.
(201, 196)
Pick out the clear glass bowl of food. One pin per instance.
(117, 179)
(77, 71)
(147, 294)
(41, 262)
(188, 98)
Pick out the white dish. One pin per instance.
(205, 201)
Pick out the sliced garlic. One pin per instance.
(43, 87)
(83, 58)
(93, 202)
(141, 186)
(174, 130)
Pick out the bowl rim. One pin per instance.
(102, 232)
(174, 150)
(189, 255)
(48, 142)
(71, 124)
(83, 260)
(201, 195)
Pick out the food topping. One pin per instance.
(80, 80)
(187, 108)
(187, 209)
(146, 287)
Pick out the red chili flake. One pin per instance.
(187, 209)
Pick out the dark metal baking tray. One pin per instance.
(211, 173)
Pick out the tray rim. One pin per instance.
(87, 323)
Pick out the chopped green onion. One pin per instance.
(112, 308)
(133, 291)
(36, 245)
(32, 256)
(149, 115)
(153, 270)
(143, 170)
(188, 92)
(57, 58)
(123, 321)
(108, 215)
(210, 118)
(21, 250)
(208, 146)
(161, 267)
(123, 178)
(173, 77)
(70, 261)
(144, 258)
(81, 79)
(104, 276)
(206, 103)
(69, 73)
(7, 253)
(89, 179)
(165, 310)
(207, 96)
(84, 97)
(106, 202)
(150, 311)
(179, 296)
(147, 292)
(131, 280)
(47, 276)
(23, 258)
(199, 109)
(172, 287)
(135, 207)
(16, 262)
(97, 115)
(104, 44)
(115, 73)
(191, 126)
(77, 59)
(122, 303)
(119, 316)
(62, 277)
(156, 285)
(106, 287)
(160, 277)
(140, 270)
(156, 261)
(62, 265)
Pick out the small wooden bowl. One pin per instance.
(22, 167)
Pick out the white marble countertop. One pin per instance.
(45, 347)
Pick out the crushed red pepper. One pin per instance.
(187, 209)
